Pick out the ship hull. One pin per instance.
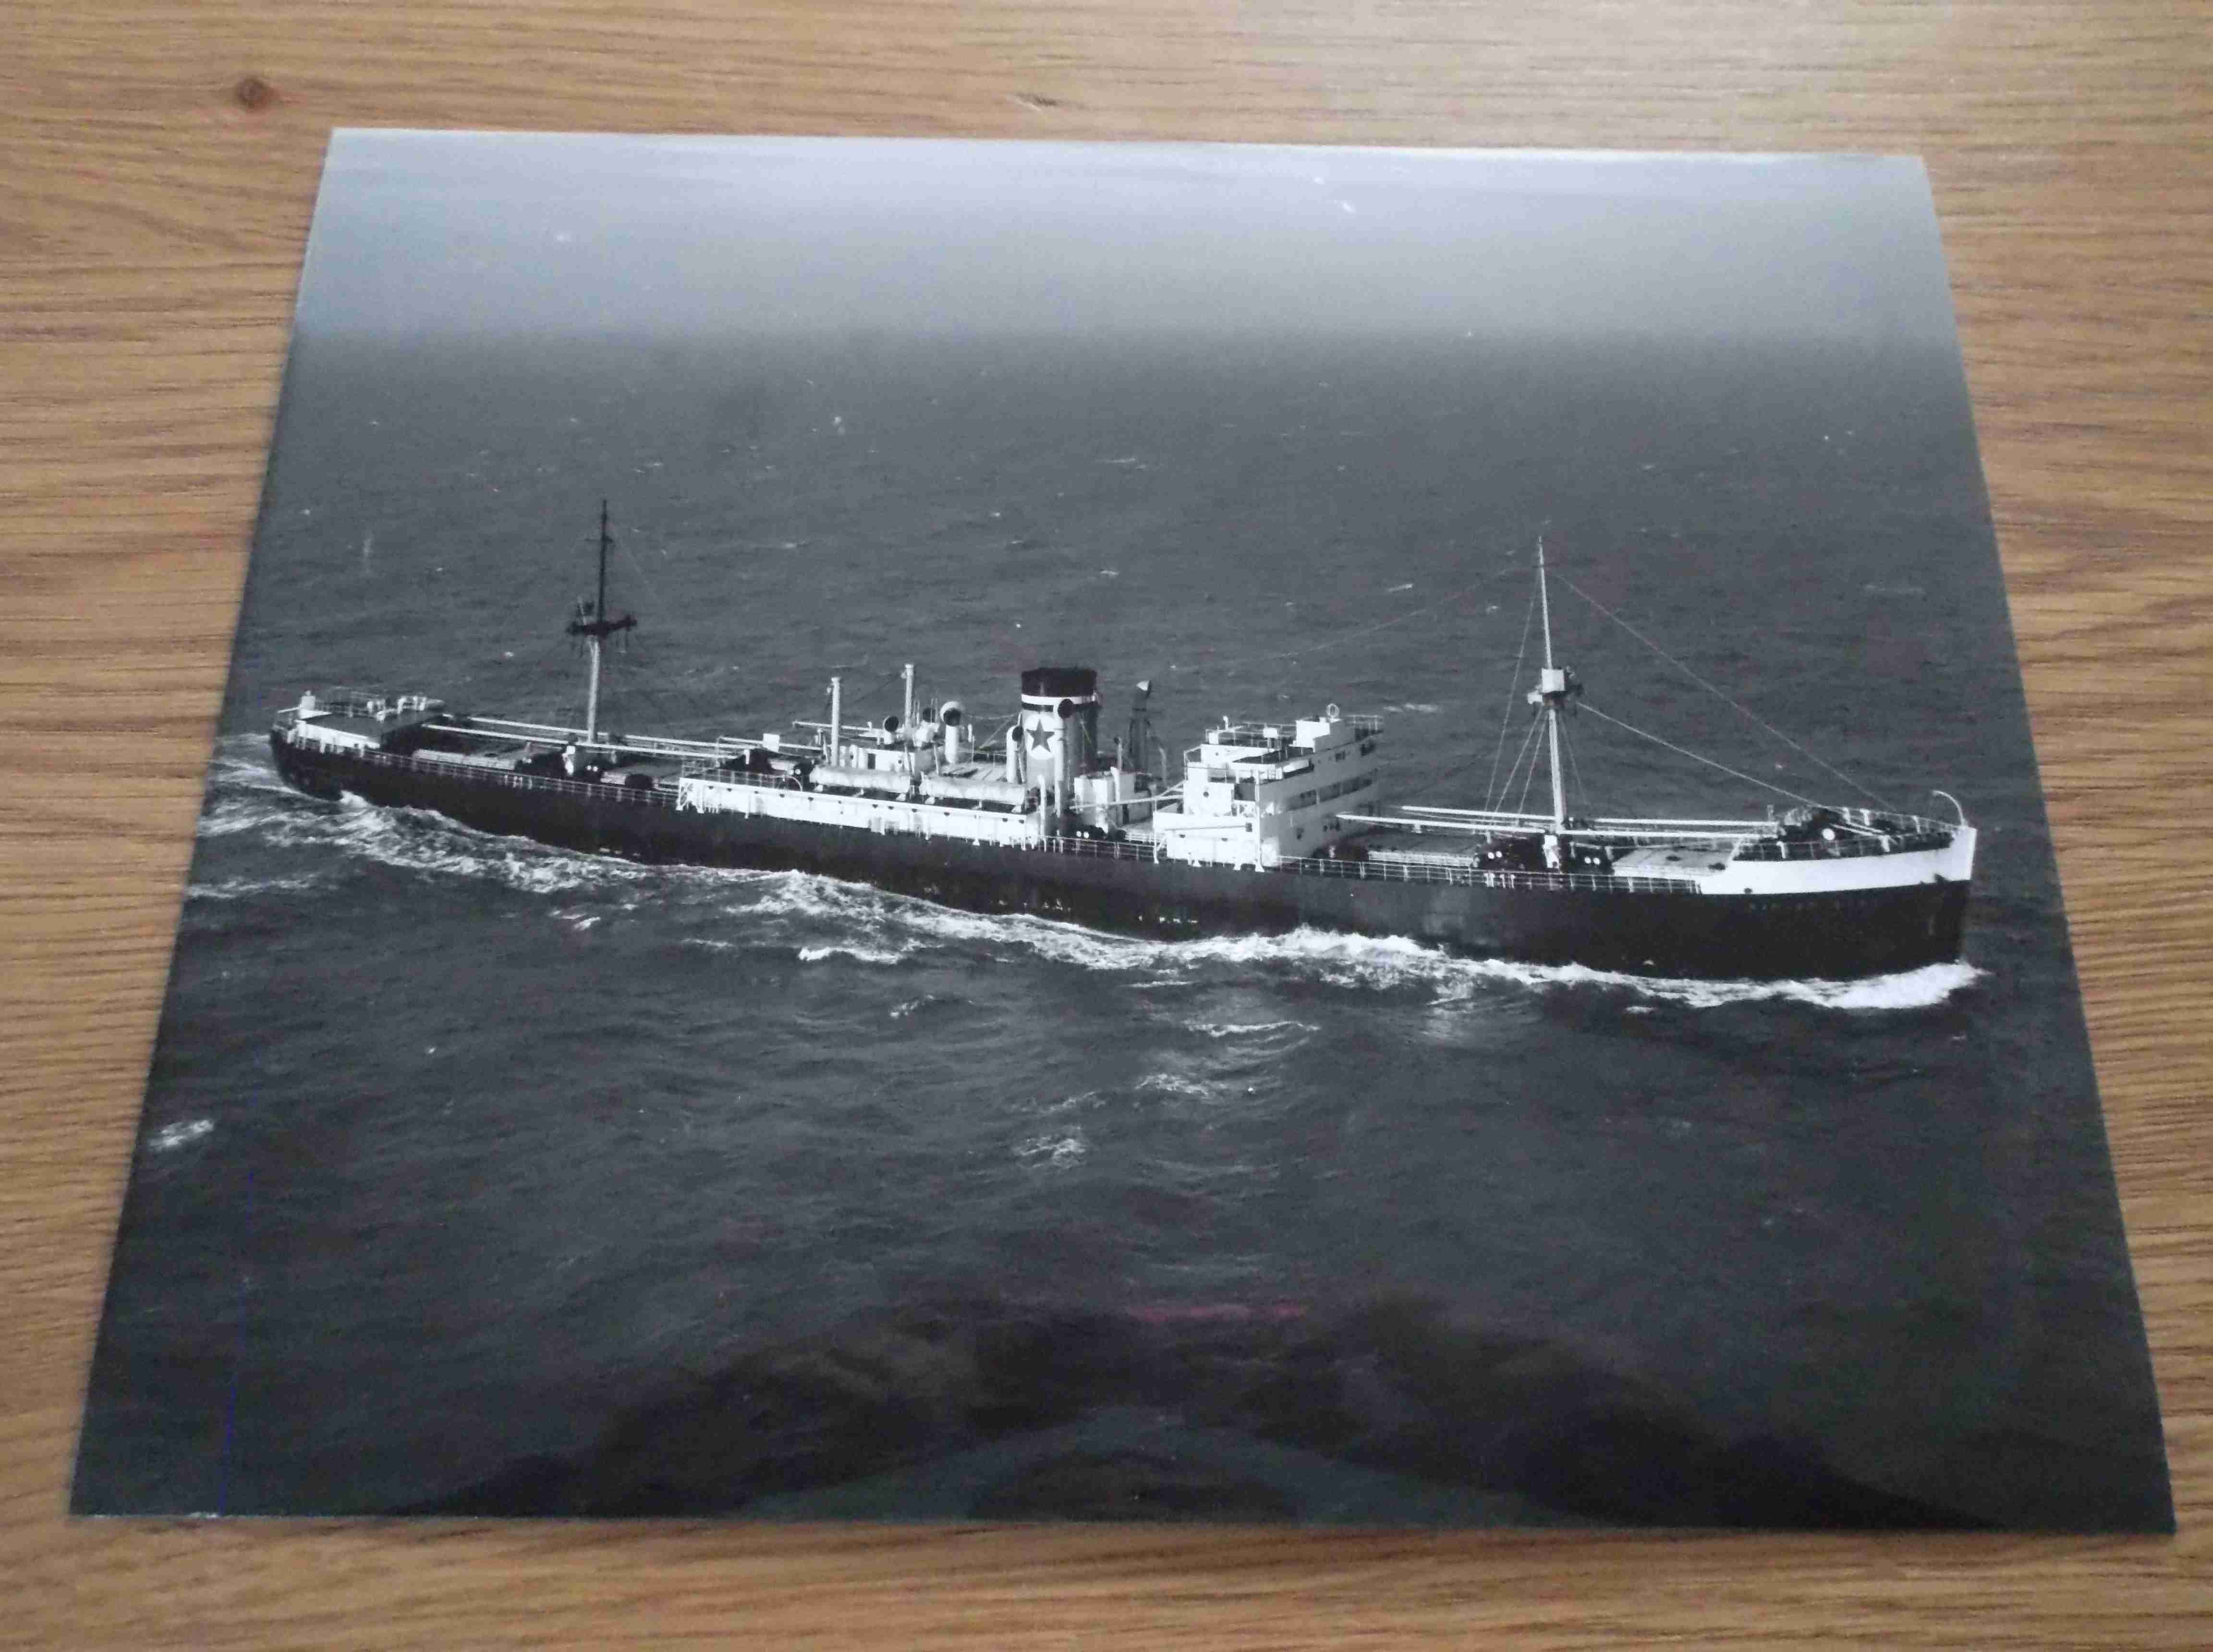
(1831, 935)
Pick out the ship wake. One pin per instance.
(898, 927)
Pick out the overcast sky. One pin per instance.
(445, 233)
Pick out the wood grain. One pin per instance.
(161, 161)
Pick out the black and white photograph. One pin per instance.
(916, 830)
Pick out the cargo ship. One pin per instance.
(1265, 826)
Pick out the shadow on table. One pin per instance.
(1386, 1415)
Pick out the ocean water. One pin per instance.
(462, 1153)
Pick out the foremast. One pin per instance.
(593, 624)
(1556, 686)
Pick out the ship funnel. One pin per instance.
(1059, 731)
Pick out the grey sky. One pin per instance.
(431, 232)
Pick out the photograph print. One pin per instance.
(1018, 832)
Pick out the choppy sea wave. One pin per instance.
(170, 1137)
(857, 953)
(1248, 1029)
(249, 888)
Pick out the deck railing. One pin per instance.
(1842, 848)
(1382, 869)
(662, 793)
(1477, 877)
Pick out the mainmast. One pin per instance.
(595, 630)
(1556, 686)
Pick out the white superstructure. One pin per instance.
(1258, 794)
(1044, 777)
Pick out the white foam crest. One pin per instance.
(169, 1137)
(1361, 961)
(244, 792)
(857, 953)
(1057, 1151)
(1175, 1084)
(1917, 989)
(1082, 1100)
(229, 816)
(422, 840)
(1246, 1029)
(246, 888)
(243, 761)
(241, 779)
(909, 1008)
(1375, 962)
(1369, 961)
(920, 924)
(803, 894)
(417, 840)
(1362, 957)
(1385, 962)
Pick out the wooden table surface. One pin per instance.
(161, 163)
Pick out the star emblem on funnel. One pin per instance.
(1040, 740)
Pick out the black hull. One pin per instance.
(1833, 936)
